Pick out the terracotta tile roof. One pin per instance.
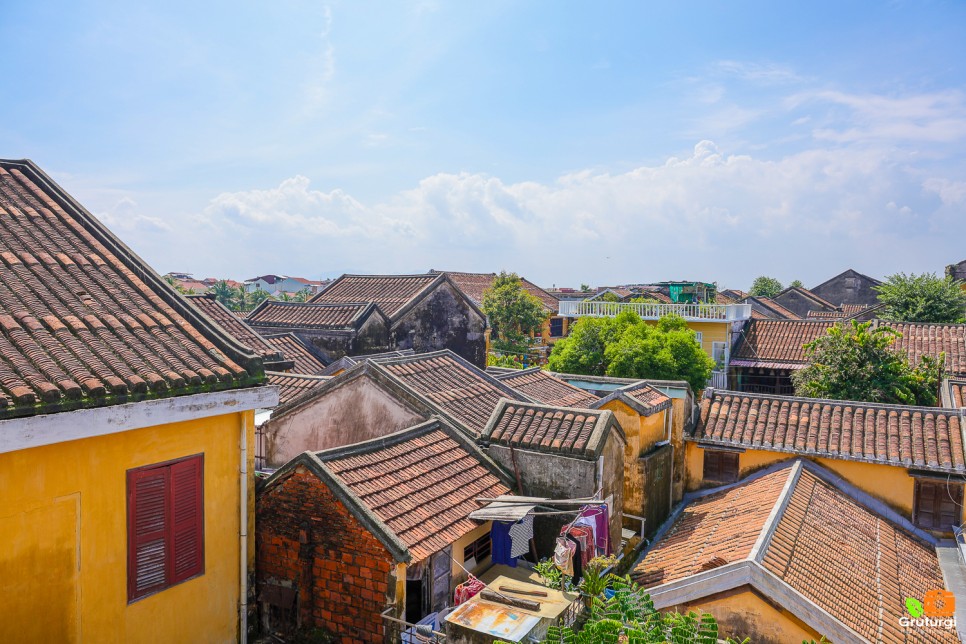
(920, 339)
(716, 529)
(541, 386)
(778, 340)
(473, 285)
(420, 482)
(766, 341)
(271, 313)
(294, 349)
(821, 530)
(345, 362)
(926, 438)
(84, 321)
(292, 385)
(639, 396)
(462, 391)
(389, 292)
(226, 318)
(825, 315)
(575, 432)
(954, 393)
(807, 525)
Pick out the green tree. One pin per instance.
(513, 313)
(609, 297)
(857, 362)
(223, 293)
(922, 298)
(765, 286)
(585, 287)
(796, 284)
(625, 346)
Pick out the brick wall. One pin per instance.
(306, 537)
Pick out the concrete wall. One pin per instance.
(798, 303)
(371, 337)
(64, 539)
(307, 540)
(443, 320)
(356, 411)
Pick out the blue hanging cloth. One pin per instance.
(501, 544)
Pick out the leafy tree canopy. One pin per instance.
(513, 312)
(626, 346)
(922, 298)
(765, 286)
(857, 362)
(797, 284)
(585, 287)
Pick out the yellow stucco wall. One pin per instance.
(459, 575)
(63, 539)
(745, 614)
(891, 484)
(642, 433)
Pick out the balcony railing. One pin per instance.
(655, 311)
(718, 380)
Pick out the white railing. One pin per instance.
(655, 311)
(718, 380)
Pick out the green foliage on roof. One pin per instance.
(855, 361)
(627, 347)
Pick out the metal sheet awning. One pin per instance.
(513, 510)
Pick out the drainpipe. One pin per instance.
(243, 531)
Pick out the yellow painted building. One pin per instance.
(127, 421)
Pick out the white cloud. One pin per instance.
(708, 215)
(763, 73)
(125, 216)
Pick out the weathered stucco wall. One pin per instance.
(63, 539)
(443, 320)
(744, 613)
(357, 411)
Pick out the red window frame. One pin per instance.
(165, 523)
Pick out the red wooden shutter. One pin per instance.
(187, 524)
(148, 512)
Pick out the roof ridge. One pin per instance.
(710, 393)
(758, 550)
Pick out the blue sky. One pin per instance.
(570, 142)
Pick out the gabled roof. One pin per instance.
(640, 396)
(954, 393)
(764, 342)
(846, 273)
(926, 438)
(543, 387)
(578, 433)
(771, 308)
(345, 362)
(414, 490)
(788, 532)
(292, 385)
(304, 357)
(473, 284)
(391, 293)
(224, 317)
(457, 388)
(305, 315)
(808, 296)
(85, 322)
(438, 383)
